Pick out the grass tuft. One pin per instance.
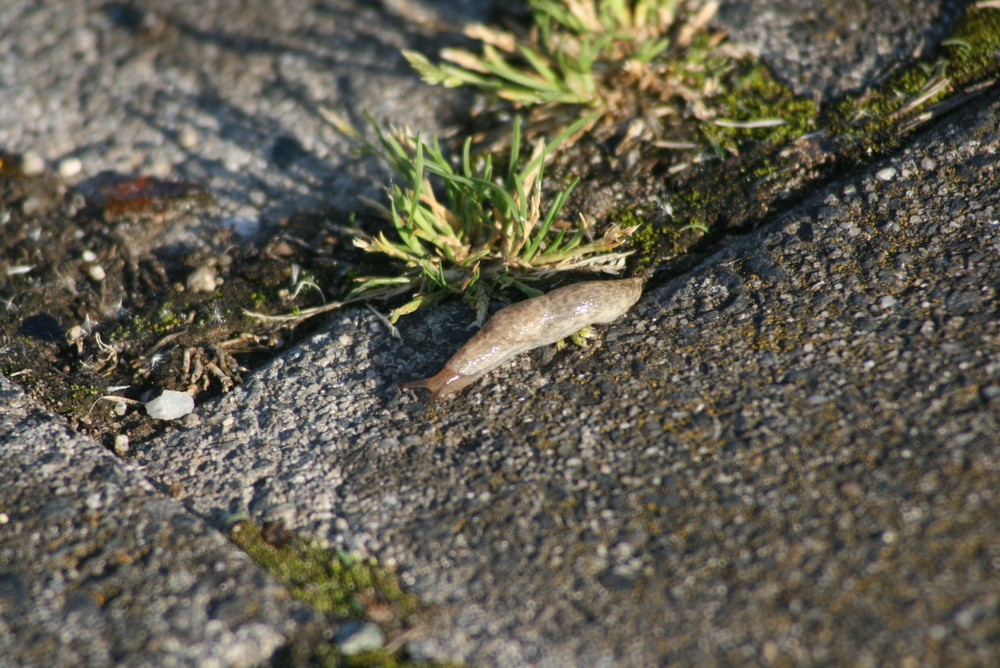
(473, 227)
(636, 63)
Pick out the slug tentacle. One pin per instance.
(531, 323)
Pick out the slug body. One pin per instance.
(529, 324)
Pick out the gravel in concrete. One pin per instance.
(827, 49)
(97, 568)
(788, 455)
(223, 94)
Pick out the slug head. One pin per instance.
(442, 383)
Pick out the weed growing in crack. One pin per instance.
(473, 228)
(638, 64)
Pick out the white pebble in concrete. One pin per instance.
(170, 405)
(70, 167)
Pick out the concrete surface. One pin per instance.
(97, 568)
(827, 49)
(788, 456)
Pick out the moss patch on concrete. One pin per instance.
(338, 584)
(759, 170)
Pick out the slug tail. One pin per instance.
(440, 384)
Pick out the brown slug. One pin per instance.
(531, 323)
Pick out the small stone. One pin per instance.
(70, 167)
(887, 301)
(75, 333)
(356, 637)
(928, 164)
(30, 206)
(32, 164)
(120, 408)
(188, 137)
(887, 174)
(121, 444)
(170, 405)
(202, 279)
(96, 272)
(88, 256)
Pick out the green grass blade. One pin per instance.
(515, 150)
(550, 216)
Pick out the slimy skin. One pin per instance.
(529, 324)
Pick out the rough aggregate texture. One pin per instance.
(97, 566)
(826, 49)
(224, 94)
(789, 455)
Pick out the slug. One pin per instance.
(529, 324)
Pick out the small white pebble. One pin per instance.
(886, 174)
(96, 272)
(357, 637)
(88, 256)
(32, 164)
(75, 333)
(188, 137)
(70, 167)
(121, 444)
(928, 164)
(4, 518)
(170, 405)
(887, 301)
(202, 279)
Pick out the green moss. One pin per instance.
(967, 56)
(258, 298)
(168, 318)
(654, 241)
(760, 165)
(971, 50)
(81, 391)
(333, 582)
(750, 94)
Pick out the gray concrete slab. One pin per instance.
(224, 94)
(97, 568)
(789, 454)
(827, 49)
